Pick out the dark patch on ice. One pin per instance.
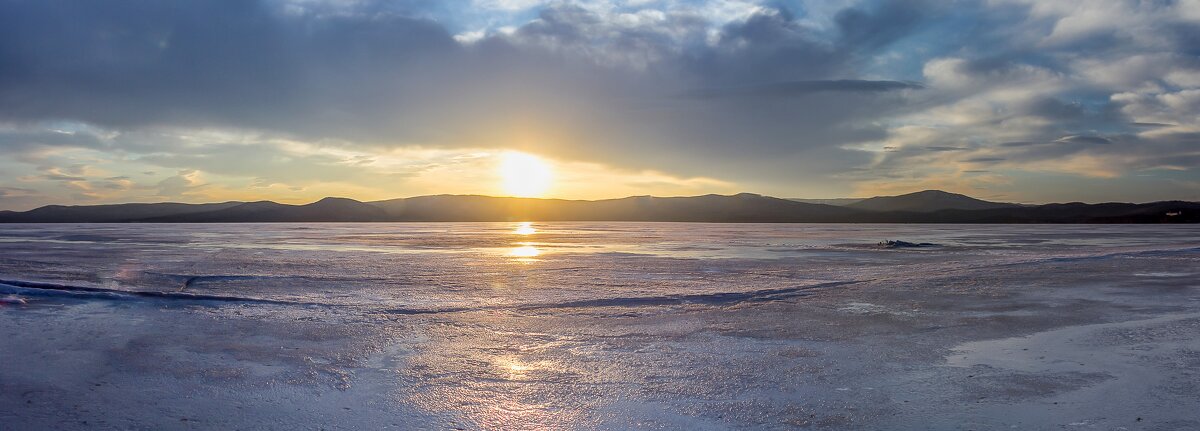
(1120, 254)
(417, 311)
(191, 280)
(87, 238)
(31, 288)
(718, 298)
(188, 281)
(16, 261)
(1017, 386)
(903, 244)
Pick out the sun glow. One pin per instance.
(524, 175)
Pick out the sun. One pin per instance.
(524, 175)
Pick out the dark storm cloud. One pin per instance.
(1055, 109)
(801, 88)
(133, 63)
(766, 48)
(867, 31)
(376, 76)
(1152, 125)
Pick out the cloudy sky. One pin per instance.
(293, 100)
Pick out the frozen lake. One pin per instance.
(599, 326)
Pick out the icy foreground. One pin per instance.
(598, 326)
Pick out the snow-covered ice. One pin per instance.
(598, 326)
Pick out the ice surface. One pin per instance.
(598, 326)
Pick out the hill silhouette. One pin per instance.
(109, 213)
(930, 206)
(926, 201)
(324, 210)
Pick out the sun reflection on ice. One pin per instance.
(525, 228)
(525, 252)
(512, 366)
(515, 368)
(505, 377)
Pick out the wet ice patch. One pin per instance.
(866, 308)
(862, 308)
(1163, 274)
(12, 300)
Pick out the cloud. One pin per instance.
(182, 183)
(12, 192)
(810, 98)
(383, 78)
(803, 88)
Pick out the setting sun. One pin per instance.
(524, 175)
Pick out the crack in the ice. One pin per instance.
(35, 288)
(718, 298)
(762, 295)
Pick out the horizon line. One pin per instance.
(584, 200)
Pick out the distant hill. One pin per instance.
(324, 210)
(108, 213)
(841, 202)
(926, 201)
(922, 207)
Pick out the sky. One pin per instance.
(294, 100)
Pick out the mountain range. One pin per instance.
(930, 206)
